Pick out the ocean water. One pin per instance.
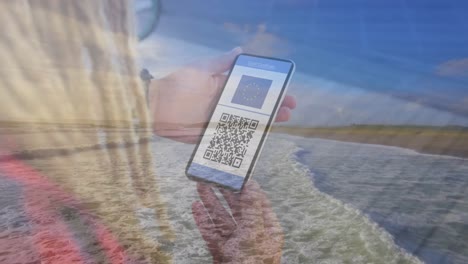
(318, 228)
(337, 202)
(344, 202)
(421, 200)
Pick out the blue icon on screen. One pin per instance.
(251, 91)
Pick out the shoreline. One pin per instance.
(446, 141)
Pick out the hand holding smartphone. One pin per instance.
(239, 125)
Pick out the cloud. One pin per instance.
(322, 102)
(413, 105)
(453, 68)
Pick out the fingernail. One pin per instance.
(237, 50)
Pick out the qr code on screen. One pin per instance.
(231, 140)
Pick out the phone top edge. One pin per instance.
(269, 58)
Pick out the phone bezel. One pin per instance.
(264, 135)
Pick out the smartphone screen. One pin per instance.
(238, 127)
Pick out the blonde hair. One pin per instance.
(68, 80)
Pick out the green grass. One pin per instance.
(449, 140)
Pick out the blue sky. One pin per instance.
(415, 50)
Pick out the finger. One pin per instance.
(272, 242)
(202, 219)
(250, 190)
(205, 226)
(251, 210)
(221, 63)
(221, 218)
(289, 101)
(220, 80)
(233, 201)
(284, 114)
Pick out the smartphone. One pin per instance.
(239, 125)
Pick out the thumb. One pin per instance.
(221, 63)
